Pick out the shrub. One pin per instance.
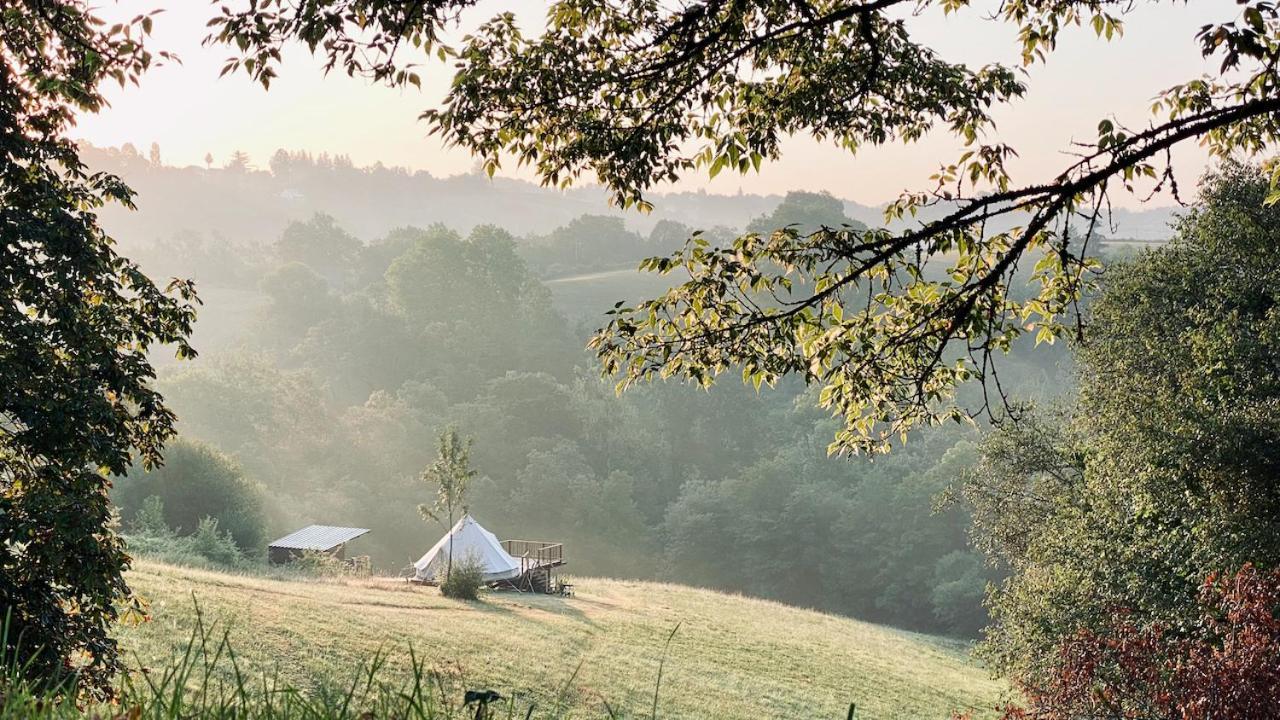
(219, 547)
(196, 482)
(320, 564)
(1225, 666)
(150, 536)
(149, 519)
(464, 581)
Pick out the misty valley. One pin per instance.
(442, 360)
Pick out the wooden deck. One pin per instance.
(535, 553)
(538, 562)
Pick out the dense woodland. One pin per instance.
(336, 360)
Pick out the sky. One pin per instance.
(189, 111)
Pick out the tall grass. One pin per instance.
(205, 680)
(19, 696)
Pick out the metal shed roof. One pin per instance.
(318, 537)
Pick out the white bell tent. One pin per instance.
(470, 542)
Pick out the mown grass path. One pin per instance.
(732, 657)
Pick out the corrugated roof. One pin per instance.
(318, 537)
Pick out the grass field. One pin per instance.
(731, 657)
(589, 295)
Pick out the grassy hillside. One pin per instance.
(732, 657)
(591, 294)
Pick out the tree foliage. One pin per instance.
(77, 322)
(1223, 666)
(590, 242)
(1162, 472)
(198, 482)
(451, 474)
(887, 321)
(320, 244)
(807, 212)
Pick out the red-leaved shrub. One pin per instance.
(1225, 666)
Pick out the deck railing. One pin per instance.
(535, 553)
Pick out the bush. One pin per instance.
(219, 547)
(196, 482)
(149, 536)
(150, 519)
(321, 564)
(1225, 665)
(464, 580)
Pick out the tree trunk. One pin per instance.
(449, 568)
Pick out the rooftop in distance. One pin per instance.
(318, 537)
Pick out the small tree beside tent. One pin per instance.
(526, 565)
(451, 474)
(474, 545)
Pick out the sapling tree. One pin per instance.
(450, 474)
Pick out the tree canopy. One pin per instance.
(198, 482)
(77, 322)
(635, 93)
(1162, 472)
(808, 212)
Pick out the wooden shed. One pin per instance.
(313, 538)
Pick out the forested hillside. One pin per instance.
(330, 360)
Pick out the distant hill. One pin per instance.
(1147, 225)
(732, 657)
(252, 206)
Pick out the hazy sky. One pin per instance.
(189, 111)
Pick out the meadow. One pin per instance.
(597, 654)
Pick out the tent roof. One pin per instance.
(470, 541)
(318, 537)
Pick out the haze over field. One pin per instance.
(331, 353)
